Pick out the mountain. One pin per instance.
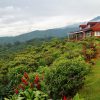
(96, 19)
(57, 32)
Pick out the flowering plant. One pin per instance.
(30, 90)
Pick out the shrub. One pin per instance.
(29, 90)
(76, 97)
(66, 77)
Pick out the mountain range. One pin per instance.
(57, 32)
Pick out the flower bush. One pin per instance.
(27, 90)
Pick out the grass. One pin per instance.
(91, 90)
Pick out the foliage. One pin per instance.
(92, 83)
(40, 56)
(29, 90)
(89, 48)
(76, 97)
(66, 77)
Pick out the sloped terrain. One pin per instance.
(91, 90)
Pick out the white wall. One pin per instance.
(97, 33)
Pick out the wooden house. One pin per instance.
(86, 30)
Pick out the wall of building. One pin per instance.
(97, 33)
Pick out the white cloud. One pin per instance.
(20, 16)
(16, 22)
(23, 26)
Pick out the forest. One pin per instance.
(51, 69)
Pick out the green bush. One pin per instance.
(66, 77)
(76, 97)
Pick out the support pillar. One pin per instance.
(84, 35)
(68, 37)
(92, 33)
(76, 36)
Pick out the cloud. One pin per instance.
(14, 21)
(22, 26)
(20, 16)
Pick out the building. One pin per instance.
(86, 30)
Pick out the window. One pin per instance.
(97, 33)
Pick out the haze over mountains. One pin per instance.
(57, 32)
(96, 19)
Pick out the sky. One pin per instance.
(22, 16)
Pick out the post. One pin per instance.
(84, 35)
(76, 37)
(68, 37)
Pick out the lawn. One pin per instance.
(91, 90)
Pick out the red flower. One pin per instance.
(16, 91)
(36, 80)
(21, 87)
(38, 86)
(64, 98)
(24, 81)
(26, 75)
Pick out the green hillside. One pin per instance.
(40, 34)
(53, 68)
(91, 90)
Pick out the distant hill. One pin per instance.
(96, 19)
(57, 32)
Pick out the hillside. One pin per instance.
(67, 57)
(38, 34)
(59, 33)
(92, 84)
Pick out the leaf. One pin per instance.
(77, 97)
(6, 99)
(20, 98)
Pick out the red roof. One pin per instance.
(92, 23)
(96, 27)
(83, 26)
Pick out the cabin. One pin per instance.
(86, 30)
